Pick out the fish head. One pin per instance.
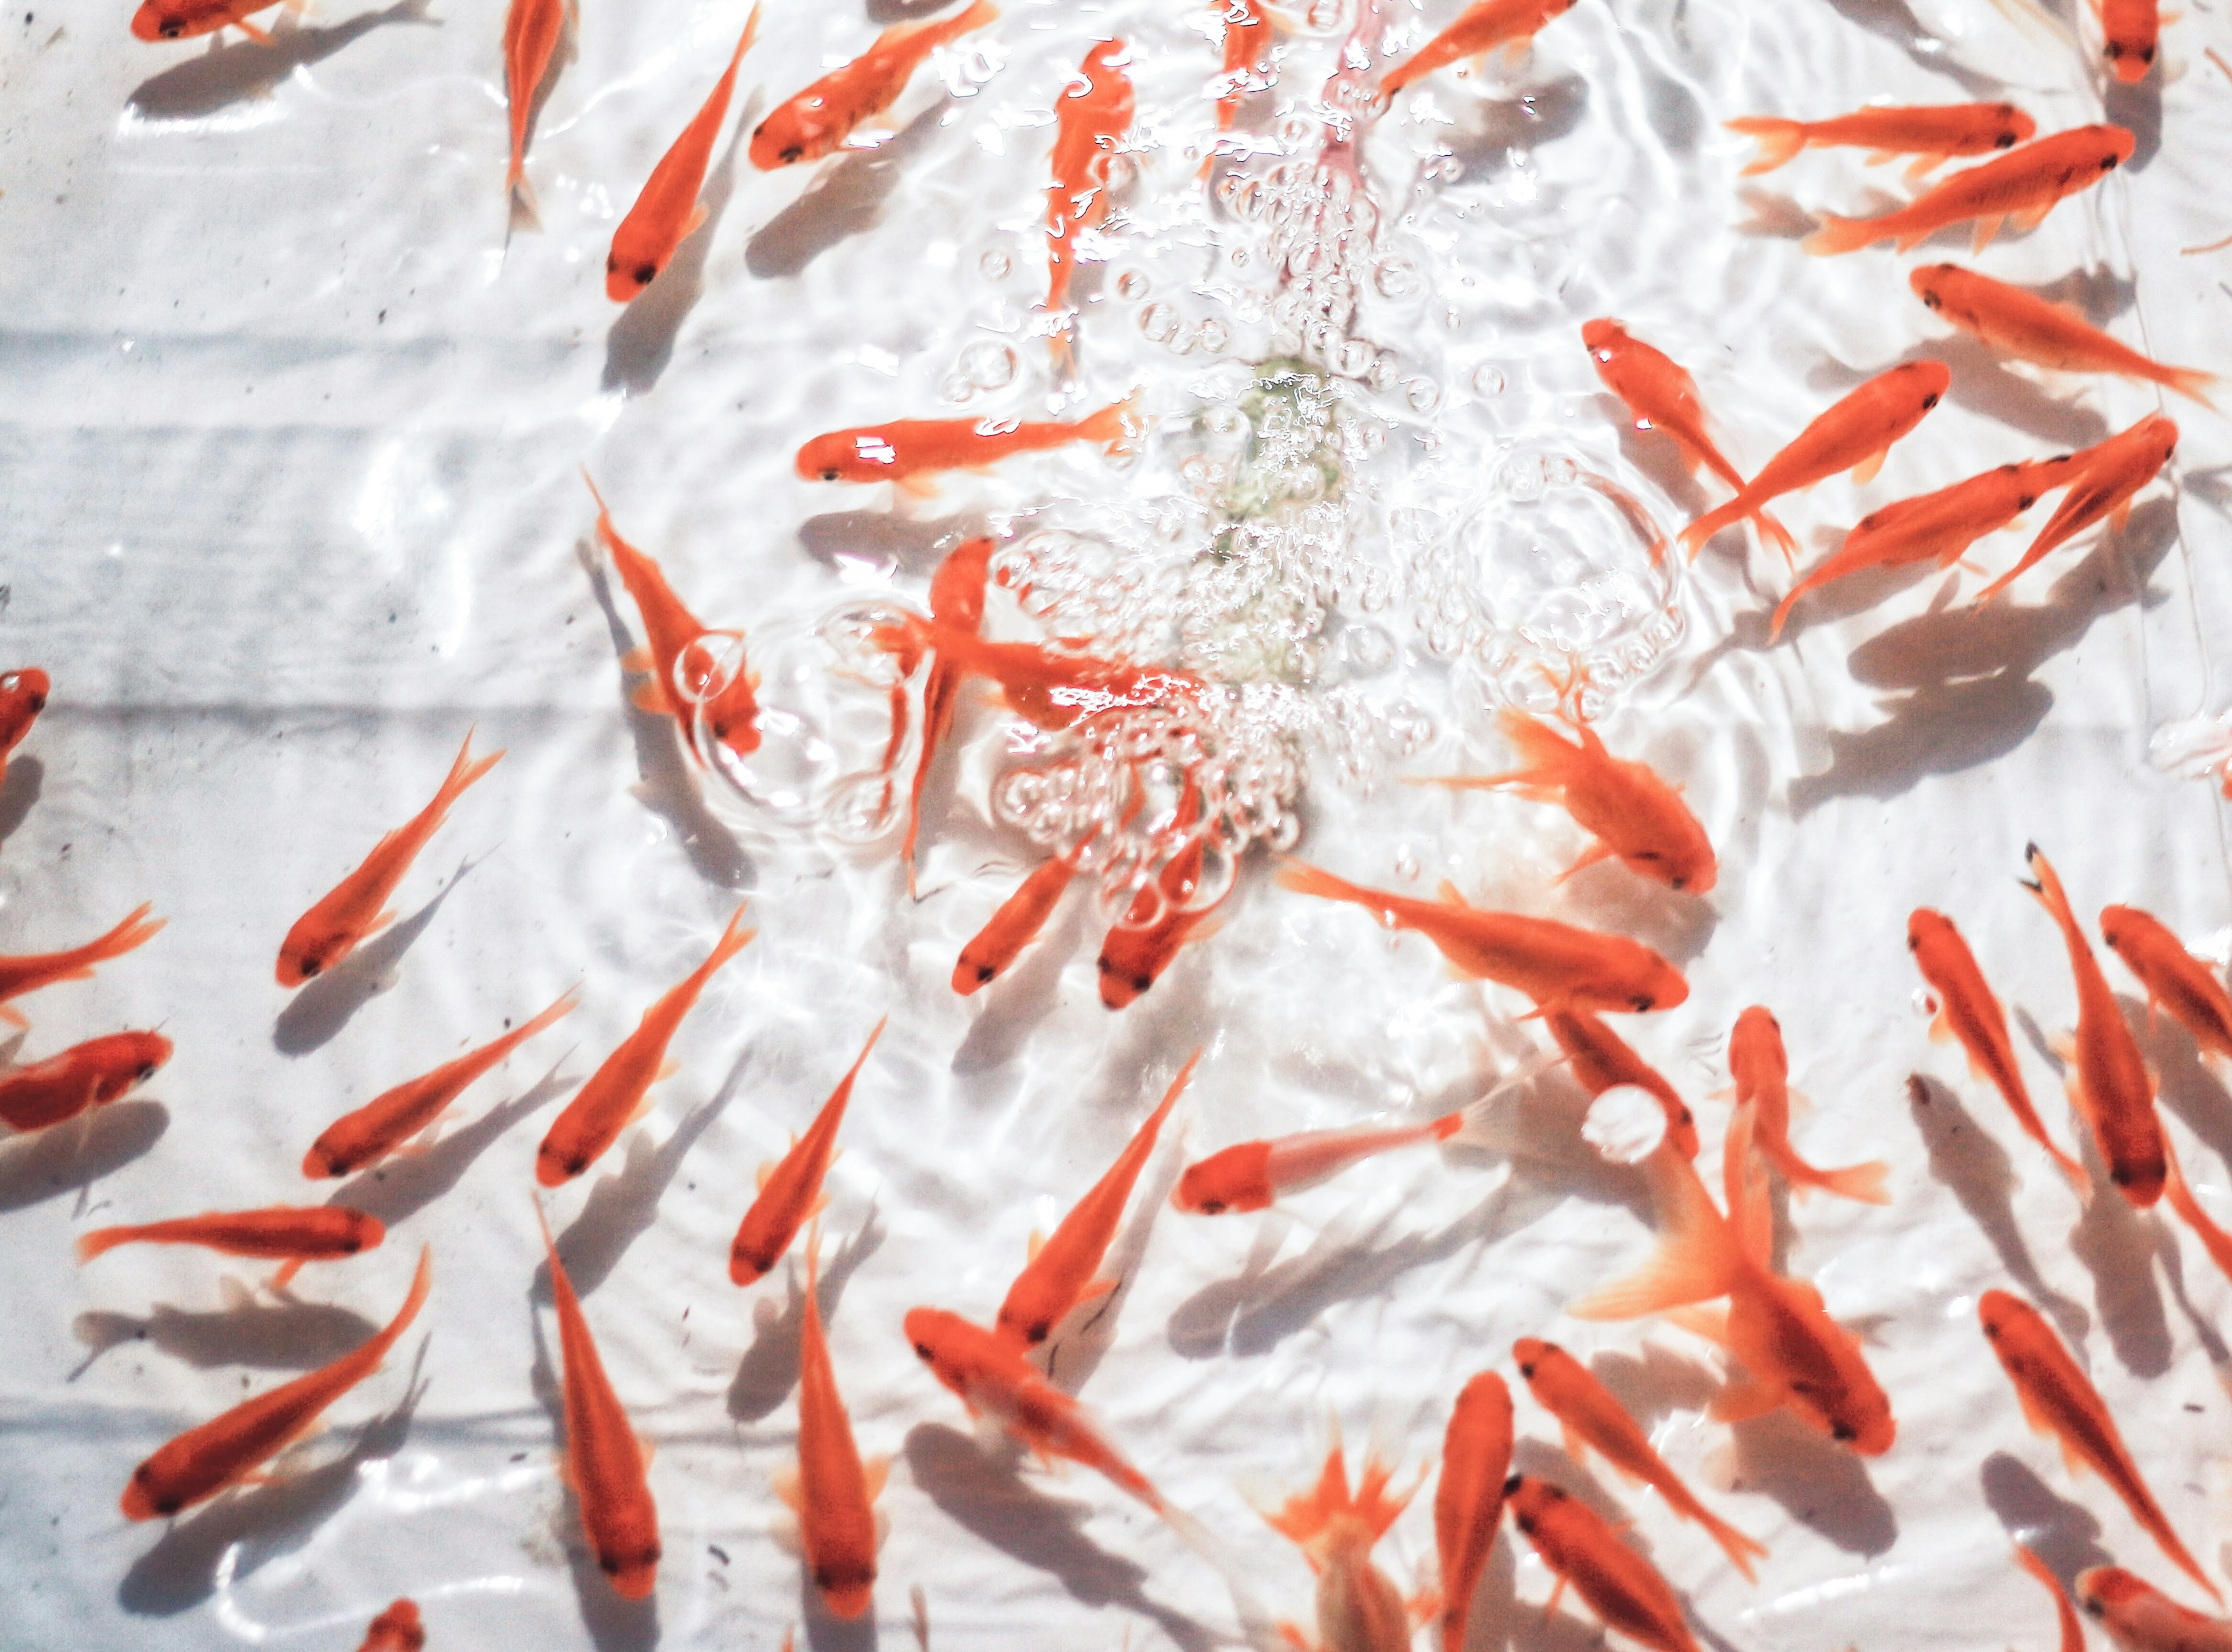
(846, 456)
(626, 275)
(847, 1588)
(310, 952)
(794, 132)
(2016, 127)
(2130, 59)
(2117, 145)
(1529, 1353)
(2102, 1589)
(632, 1567)
(1654, 984)
(2119, 926)
(22, 694)
(137, 1056)
(1603, 337)
(154, 20)
(942, 1340)
(1996, 1311)
(1929, 280)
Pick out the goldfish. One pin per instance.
(790, 1190)
(22, 695)
(87, 1075)
(909, 450)
(532, 29)
(1968, 1011)
(1599, 1061)
(606, 1465)
(1468, 1498)
(668, 211)
(1247, 31)
(2109, 474)
(227, 1449)
(1479, 29)
(618, 1093)
(373, 1131)
(1054, 689)
(2173, 978)
(2141, 1618)
(289, 1234)
(2073, 1631)
(396, 1630)
(184, 19)
(1933, 133)
(1065, 1272)
(357, 905)
(1592, 1419)
(1942, 526)
(956, 601)
(1557, 965)
(1016, 924)
(2108, 1082)
(1778, 1329)
(1636, 817)
(1091, 117)
(27, 972)
(1761, 1071)
(1619, 1585)
(1853, 435)
(1663, 396)
(1161, 919)
(832, 1491)
(813, 123)
(1358, 1609)
(1253, 1175)
(674, 653)
(2130, 31)
(993, 1379)
(2033, 329)
(2057, 1399)
(2022, 185)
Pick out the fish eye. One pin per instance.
(2121, 1177)
(1844, 1433)
(1678, 883)
(985, 973)
(1513, 1484)
(1140, 983)
(2005, 140)
(38, 703)
(2094, 1606)
(1642, 1002)
(2107, 162)
(646, 273)
(829, 473)
(795, 152)
(1929, 402)
(1527, 1371)
(1913, 944)
(170, 29)
(1930, 300)
(146, 1071)
(310, 967)
(922, 1350)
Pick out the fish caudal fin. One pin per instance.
(464, 772)
(2072, 1629)
(1862, 1182)
(101, 1240)
(1305, 880)
(1697, 1258)
(1838, 235)
(1111, 424)
(1777, 535)
(1778, 141)
(2191, 383)
(1741, 1549)
(735, 940)
(136, 930)
(1692, 539)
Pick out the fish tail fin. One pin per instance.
(2192, 383)
(136, 930)
(1776, 534)
(519, 196)
(1155, 1120)
(558, 1009)
(1111, 424)
(2073, 1628)
(1697, 1258)
(1305, 880)
(464, 772)
(1782, 616)
(1838, 235)
(606, 531)
(1741, 1548)
(735, 940)
(1541, 747)
(1778, 141)
(101, 1240)
(2213, 1240)
(422, 1281)
(1305, 1516)
(745, 41)
(1471, 1123)
(2046, 887)
(1861, 1183)
(1692, 539)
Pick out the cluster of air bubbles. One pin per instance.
(1117, 599)
(985, 366)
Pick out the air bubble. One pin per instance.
(995, 265)
(1214, 336)
(1487, 379)
(863, 808)
(956, 388)
(1406, 864)
(1424, 395)
(1366, 650)
(989, 365)
(1132, 285)
(1395, 278)
(1156, 323)
(1324, 16)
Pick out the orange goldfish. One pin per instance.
(396, 1630)
(993, 1379)
(2108, 475)
(832, 1491)
(1065, 1272)
(373, 1131)
(184, 19)
(668, 212)
(1968, 1011)
(1358, 1609)
(1091, 117)
(790, 1190)
(1619, 1585)
(618, 1093)
(1253, 1175)
(289, 1234)
(1778, 1329)
(1159, 920)
(2173, 978)
(1482, 27)
(1247, 32)
(22, 697)
(357, 905)
(1853, 435)
(27, 972)
(2108, 1082)
(1469, 1500)
(606, 1464)
(812, 124)
(1016, 924)
(1054, 691)
(2057, 1399)
(674, 653)
(2141, 1618)
(2029, 327)
(1636, 817)
(1761, 1072)
(908, 450)
(1940, 526)
(2022, 185)
(532, 29)
(2073, 1631)
(87, 1075)
(227, 1450)
(1592, 1419)
(2130, 31)
(1558, 966)
(956, 601)
(1932, 133)
(1599, 1061)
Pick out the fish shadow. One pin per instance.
(2184, 1082)
(1973, 1166)
(19, 794)
(2136, 107)
(1486, 131)
(1827, 604)
(1774, 215)
(2063, 1534)
(36, 1166)
(1655, 1384)
(665, 782)
(320, 1010)
(1679, 927)
(1819, 1484)
(402, 1185)
(909, 545)
(845, 199)
(2173, 1267)
(768, 1370)
(1081, 1340)
(1984, 384)
(642, 342)
(281, 1335)
(827, 1632)
(987, 1498)
(1892, 20)
(2117, 1246)
(884, 13)
(241, 1531)
(227, 73)
(1023, 997)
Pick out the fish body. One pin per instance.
(87, 1075)
(814, 122)
(1619, 1585)
(22, 695)
(1013, 927)
(185, 19)
(790, 1190)
(1761, 1070)
(2021, 186)
(1054, 689)
(619, 1090)
(1160, 920)
(294, 1234)
(907, 449)
(1600, 1060)
(532, 29)
(1932, 133)
(396, 1630)
(27, 972)
(1247, 33)
(1853, 435)
(2031, 328)
(1358, 1610)
(2072, 1629)
(834, 1491)
(2141, 1618)
(1091, 117)
(1481, 29)
(226, 1450)
(1253, 1175)
(2173, 978)
(667, 211)
(2107, 476)
(956, 601)
(1468, 1498)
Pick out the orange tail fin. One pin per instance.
(1696, 1258)
(101, 1240)
(1778, 141)
(1305, 880)
(1692, 539)
(1108, 424)
(2072, 1631)
(734, 940)
(1741, 1549)
(1863, 1182)
(1838, 235)
(136, 930)
(463, 773)
(2192, 383)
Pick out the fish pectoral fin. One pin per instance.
(875, 1472)
(785, 1484)
(784, 1532)
(1037, 1244)
(2118, 517)
(14, 1018)
(916, 487)
(2031, 216)
(1878, 157)
(667, 1069)
(1941, 1029)
(1557, 1593)
(1987, 228)
(697, 222)
(1864, 471)
(1451, 893)
(1097, 1287)
(1922, 166)
(261, 37)
(637, 660)
(762, 1177)
(2063, 1048)
(1590, 856)
(647, 696)
(1743, 1398)
(285, 1276)
(1701, 1319)
(385, 917)
(1570, 1439)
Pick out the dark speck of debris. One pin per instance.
(383, 316)
(717, 1552)
(519, 1456)
(685, 1313)
(2191, 1407)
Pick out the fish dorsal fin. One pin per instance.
(765, 1174)
(785, 1481)
(1941, 1026)
(1451, 893)
(875, 1472)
